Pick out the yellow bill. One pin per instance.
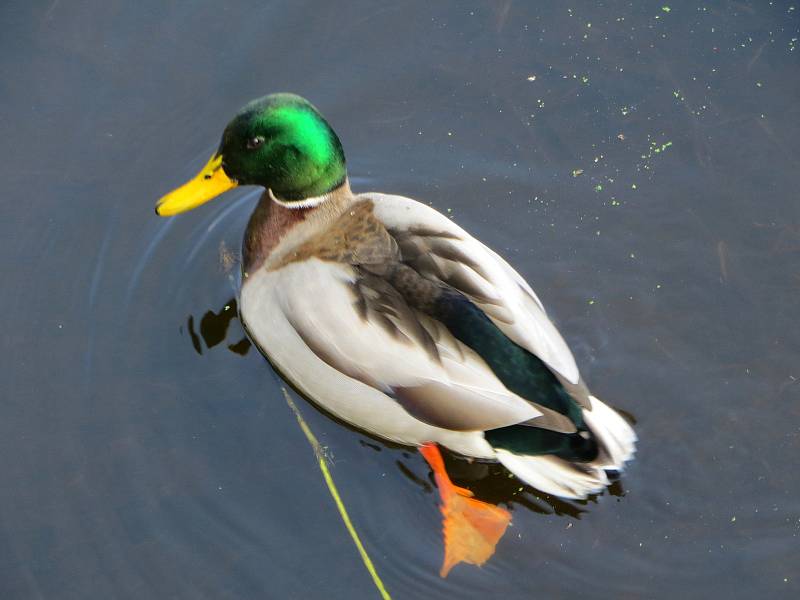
(209, 183)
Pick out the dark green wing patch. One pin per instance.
(520, 371)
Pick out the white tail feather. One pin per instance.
(560, 477)
(616, 438)
(554, 475)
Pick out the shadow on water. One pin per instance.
(490, 482)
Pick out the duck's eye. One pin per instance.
(255, 142)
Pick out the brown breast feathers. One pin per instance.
(356, 238)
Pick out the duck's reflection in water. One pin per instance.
(213, 329)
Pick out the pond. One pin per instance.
(636, 162)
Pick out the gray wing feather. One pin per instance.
(361, 325)
(441, 251)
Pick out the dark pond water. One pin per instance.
(636, 161)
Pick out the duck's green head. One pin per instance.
(280, 142)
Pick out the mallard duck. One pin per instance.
(393, 318)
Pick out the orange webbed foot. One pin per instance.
(471, 527)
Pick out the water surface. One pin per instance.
(636, 162)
